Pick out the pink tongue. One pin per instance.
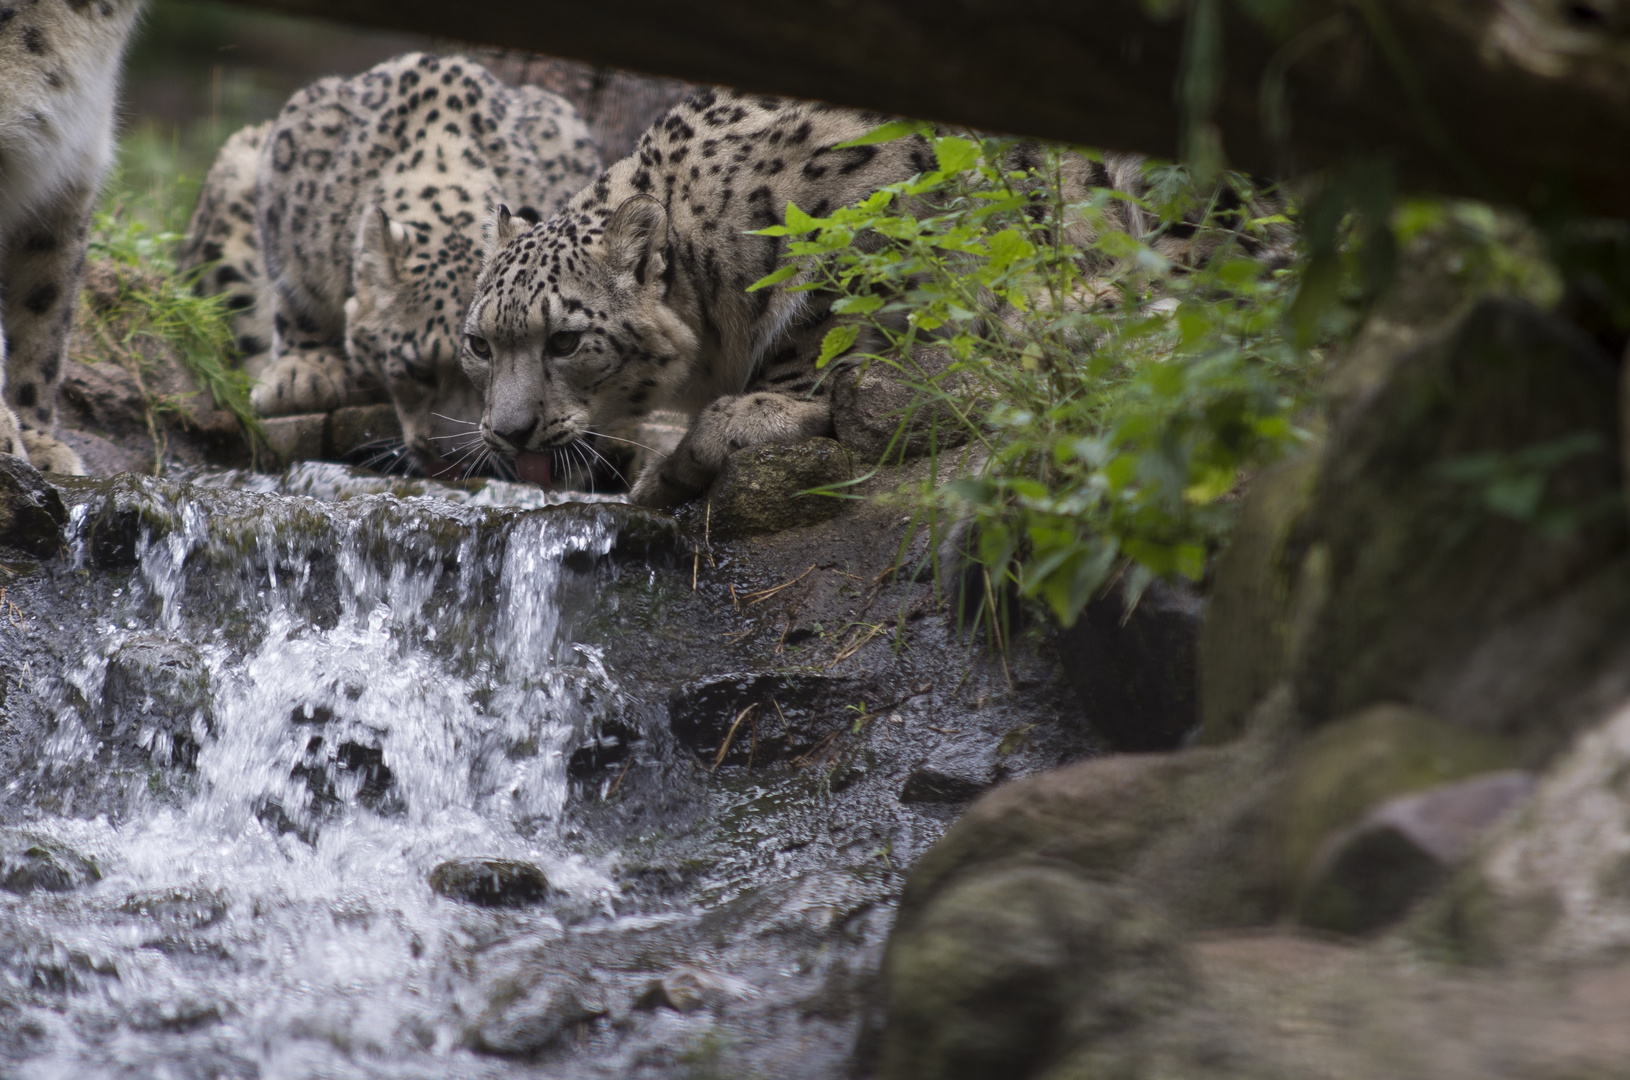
(533, 468)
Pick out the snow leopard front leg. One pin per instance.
(723, 427)
(40, 272)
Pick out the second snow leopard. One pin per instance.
(368, 196)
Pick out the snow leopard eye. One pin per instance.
(479, 346)
(564, 342)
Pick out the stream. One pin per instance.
(249, 720)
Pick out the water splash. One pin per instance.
(378, 684)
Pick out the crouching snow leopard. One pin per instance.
(634, 297)
(368, 197)
(59, 71)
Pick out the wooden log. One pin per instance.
(1516, 100)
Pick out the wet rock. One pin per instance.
(173, 1014)
(157, 694)
(1011, 962)
(31, 511)
(954, 773)
(117, 513)
(355, 427)
(539, 1016)
(296, 438)
(1370, 875)
(500, 883)
(29, 863)
(185, 909)
(870, 406)
(608, 748)
(786, 715)
(688, 990)
(338, 773)
(1351, 767)
(1134, 672)
(1552, 881)
(758, 490)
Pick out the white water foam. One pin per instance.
(272, 921)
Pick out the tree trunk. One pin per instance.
(1525, 101)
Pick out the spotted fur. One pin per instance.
(59, 72)
(370, 196)
(221, 245)
(634, 297)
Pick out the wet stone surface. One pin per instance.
(284, 717)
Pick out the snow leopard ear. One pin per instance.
(502, 227)
(382, 245)
(637, 239)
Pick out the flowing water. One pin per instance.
(266, 711)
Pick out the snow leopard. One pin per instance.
(370, 197)
(59, 74)
(635, 296)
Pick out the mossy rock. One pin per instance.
(498, 883)
(761, 488)
(1242, 642)
(1009, 963)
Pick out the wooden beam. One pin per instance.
(1525, 101)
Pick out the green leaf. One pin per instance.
(775, 278)
(894, 129)
(837, 341)
(954, 154)
(799, 222)
(864, 304)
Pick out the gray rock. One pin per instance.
(1134, 672)
(353, 427)
(31, 511)
(870, 406)
(29, 863)
(157, 693)
(1369, 876)
(296, 438)
(505, 883)
(538, 1016)
(758, 490)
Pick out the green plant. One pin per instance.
(1109, 399)
(152, 309)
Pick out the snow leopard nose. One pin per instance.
(516, 437)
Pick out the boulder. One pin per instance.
(871, 405)
(1016, 962)
(759, 489)
(1456, 546)
(490, 882)
(1369, 876)
(31, 511)
(1134, 671)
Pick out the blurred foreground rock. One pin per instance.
(1415, 723)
